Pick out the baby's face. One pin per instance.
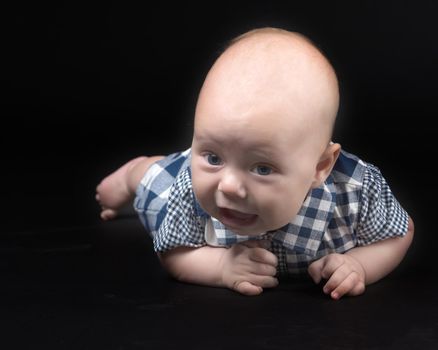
(251, 173)
(260, 129)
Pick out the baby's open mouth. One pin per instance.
(233, 218)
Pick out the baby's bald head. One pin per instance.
(276, 75)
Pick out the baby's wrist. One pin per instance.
(223, 269)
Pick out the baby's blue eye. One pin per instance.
(213, 159)
(263, 170)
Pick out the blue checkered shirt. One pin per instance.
(354, 207)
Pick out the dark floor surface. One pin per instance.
(85, 87)
(101, 287)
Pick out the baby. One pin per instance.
(263, 191)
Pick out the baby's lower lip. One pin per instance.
(233, 218)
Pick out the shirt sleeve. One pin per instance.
(180, 226)
(381, 215)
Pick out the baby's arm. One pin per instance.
(349, 273)
(245, 267)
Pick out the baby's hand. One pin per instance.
(344, 273)
(249, 267)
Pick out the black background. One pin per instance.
(85, 86)
(88, 85)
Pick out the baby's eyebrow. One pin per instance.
(203, 135)
(209, 138)
(265, 153)
(260, 149)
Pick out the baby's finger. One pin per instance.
(314, 270)
(264, 256)
(248, 288)
(337, 278)
(332, 263)
(350, 283)
(264, 281)
(269, 282)
(262, 269)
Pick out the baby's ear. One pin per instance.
(326, 163)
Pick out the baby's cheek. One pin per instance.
(204, 194)
(281, 211)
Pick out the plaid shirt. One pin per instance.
(354, 207)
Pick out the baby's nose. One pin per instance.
(232, 185)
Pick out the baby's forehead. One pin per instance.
(263, 131)
(270, 80)
(269, 62)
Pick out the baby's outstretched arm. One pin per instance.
(349, 273)
(245, 267)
